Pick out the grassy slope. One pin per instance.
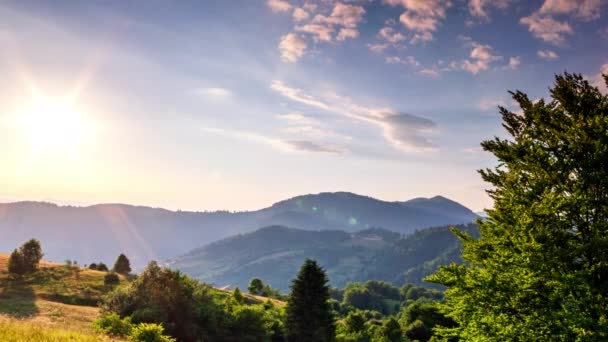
(54, 304)
(57, 304)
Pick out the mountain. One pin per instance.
(86, 234)
(275, 254)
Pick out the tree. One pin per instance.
(391, 330)
(93, 266)
(122, 265)
(255, 286)
(309, 317)
(26, 258)
(237, 295)
(31, 251)
(16, 264)
(102, 267)
(539, 269)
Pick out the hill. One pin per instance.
(53, 304)
(274, 254)
(144, 233)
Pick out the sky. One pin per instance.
(206, 105)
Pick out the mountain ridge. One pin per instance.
(85, 233)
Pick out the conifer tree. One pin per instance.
(539, 271)
(309, 317)
(122, 265)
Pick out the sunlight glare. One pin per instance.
(53, 126)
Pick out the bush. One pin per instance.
(111, 324)
(111, 279)
(93, 266)
(149, 332)
(102, 267)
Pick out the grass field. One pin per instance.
(53, 304)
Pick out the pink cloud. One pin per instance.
(278, 6)
(292, 47)
(586, 10)
(546, 28)
(300, 14)
(421, 16)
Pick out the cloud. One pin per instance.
(347, 33)
(280, 144)
(278, 6)
(214, 91)
(603, 33)
(514, 63)
(433, 73)
(310, 6)
(547, 29)
(421, 16)
(378, 47)
(546, 54)
(300, 14)
(403, 131)
(598, 80)
(320, 32)
(479, 8)
(408, 60)
(309, 146)
(490, 104)
(342, 15)
(389, 35)
(481, 58)
(585, 10)
(292, 47)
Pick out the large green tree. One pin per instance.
(539, 270)
(309, 317)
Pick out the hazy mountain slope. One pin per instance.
(276, 253)
(96, 232)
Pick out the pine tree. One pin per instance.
(539, 271)
(309, 317)
(122, 265)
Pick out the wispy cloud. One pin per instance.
(403, 131)
(598, 79)
(309, 146)
(585, 10)
(546, 54)
(284, 145)
(213, 91)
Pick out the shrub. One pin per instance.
(111, 324)
(149, 332)
(93, 266)
(111, 279)
(102, 267)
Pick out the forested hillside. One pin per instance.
(274, 253)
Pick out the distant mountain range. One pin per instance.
(87, 233)
(275, 254)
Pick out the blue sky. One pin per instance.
(238, 104)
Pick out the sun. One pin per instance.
(53, 125)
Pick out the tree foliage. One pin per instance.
(26, 258)
(539, 270)
(122, 265)
(309, 318)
